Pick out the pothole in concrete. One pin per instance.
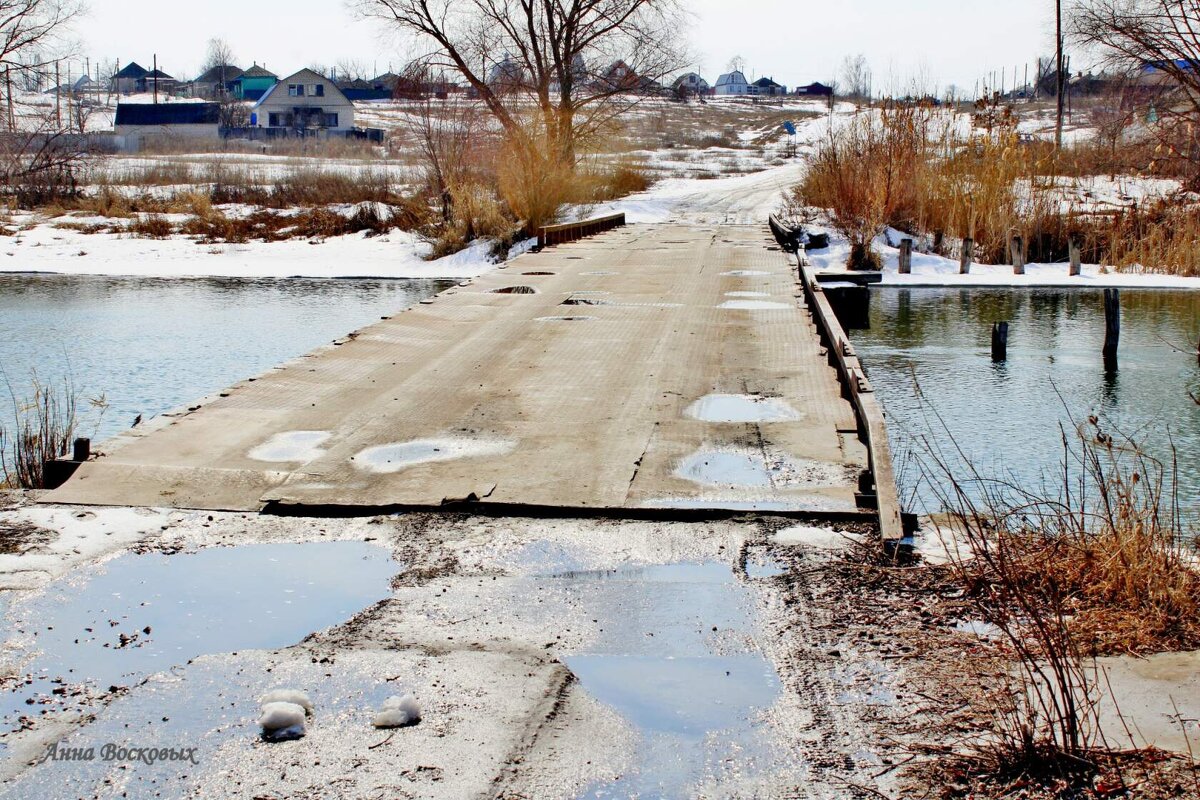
(145, 613)
(299, 446)
(745, 273)
(515, 290)
(564, 319)
(736, 468)
(753, 305)
(537, 272)
(585, 301)
(387, 458)
(676, 657)
(741, 408)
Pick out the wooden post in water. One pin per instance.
(968, 253)
(999, 341)
(1112, 327)
(906, 246)
(1076, 258)
(1016, 247)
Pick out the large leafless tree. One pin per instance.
(38, 157)
(1153, 39)
(580, 61)
(1134, 34)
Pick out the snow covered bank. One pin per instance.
(45, 248)
(934, 270)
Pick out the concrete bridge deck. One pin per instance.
(652, 366)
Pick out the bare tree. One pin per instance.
(856, 77)
(349, 69)
(736, 64)
(33, 32)
(1136, 34)
(1159, 40)
(582, 60)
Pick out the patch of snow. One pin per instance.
(398, 711)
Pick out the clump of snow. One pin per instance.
(292, 696)
(282, 721)
(398, 711)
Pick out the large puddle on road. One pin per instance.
(741, 408)
(676, 657)
(142, 614)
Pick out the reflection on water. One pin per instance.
(150, 345)
(1009, 417)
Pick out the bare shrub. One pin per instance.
(1097, 567)
(868, 175)
(45, 427)
(152, 226)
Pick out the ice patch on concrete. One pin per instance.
(395, 457)
(741, 408)
(745, 273)
(298, 446)
(747, 294)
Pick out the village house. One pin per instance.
(690, 85)
(766, 87)
(305, 103)
(254, 83)
(157, 81)
(218, 81)
(815, 90)
(129, 79)
(730, 83)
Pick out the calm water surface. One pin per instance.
(150, 345)
(928, 355)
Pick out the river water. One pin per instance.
(149, 345)
(928, 355)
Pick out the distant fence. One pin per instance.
(268, 134)
(570, 231)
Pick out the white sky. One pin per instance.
(946, 41)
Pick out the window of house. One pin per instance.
(273, 120)
(319, 90)
(295, 90)
(331, 120)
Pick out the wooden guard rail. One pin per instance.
(867, 411)
(570, 231)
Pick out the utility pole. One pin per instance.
(1062, 83)
(154, 75)
(57, 95)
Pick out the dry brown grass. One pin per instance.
(906, 167)
(1110, 552)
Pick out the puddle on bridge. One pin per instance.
(741, 408)
(145, 613)
(302, 446)
(676, 658)
(386, 458)
(753, 305)
(735, 468)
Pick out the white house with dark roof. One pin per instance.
(732, 83)
(305, 101)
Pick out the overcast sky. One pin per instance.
(945, 41)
